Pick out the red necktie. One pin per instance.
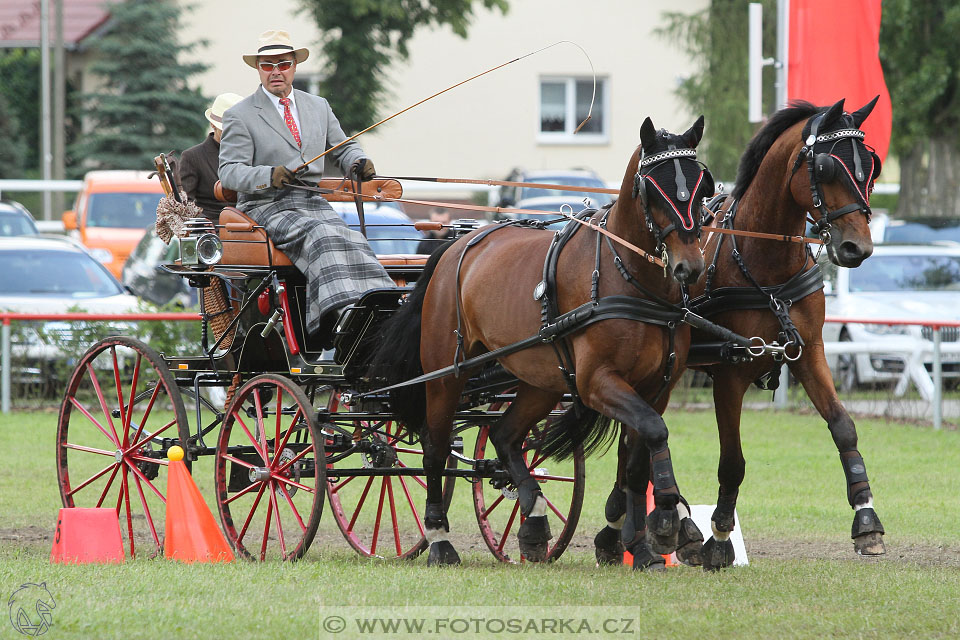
(288, 118)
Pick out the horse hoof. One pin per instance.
(869, 544)
(608, 547)
(690, 543)
(442, 554)
(533, 536)
(644, 559)
(663, 529)
(717, 554)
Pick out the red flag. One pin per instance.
(835, 53)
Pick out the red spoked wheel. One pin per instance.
(498, 509)
(380, 515)
(269, 485)
(120, 414)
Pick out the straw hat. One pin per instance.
(274, 42)
(220, 104)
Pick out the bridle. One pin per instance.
(643, 180)
(823, 165)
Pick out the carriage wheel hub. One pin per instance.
(259, 474)
(118, 455)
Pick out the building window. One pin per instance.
(564, 103)
(309, 82)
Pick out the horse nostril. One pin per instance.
(683, 273)
(851, 252)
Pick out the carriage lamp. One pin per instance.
(209, 249)
(205, 249)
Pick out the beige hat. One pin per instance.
(220, 104)
(275, 42)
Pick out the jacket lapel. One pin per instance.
(271, 116)
(310, 123)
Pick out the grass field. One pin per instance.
(803, 581)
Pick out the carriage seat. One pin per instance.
(246, 243)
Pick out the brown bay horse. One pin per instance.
(488, 290)
(805, 159)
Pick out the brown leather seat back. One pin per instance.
(246, 243)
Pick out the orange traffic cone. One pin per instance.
(671, 558)
(87, 535)
(192, 535)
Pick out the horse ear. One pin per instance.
(832, 113)
(861, 114)
(693, 135)
(648, 134)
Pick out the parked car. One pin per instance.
(112, 212)
(509, 196)
(142, 277)
(552, 203)
(898, 282)
(887, 230)
(51, 275)
(16, 220)
(389, 229)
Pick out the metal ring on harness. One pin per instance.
(786, 354)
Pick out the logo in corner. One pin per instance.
(30, 609)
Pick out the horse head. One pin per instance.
(668, 188)
(839, 179)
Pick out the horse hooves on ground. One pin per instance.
(690, 543)
(663, 529)
(717, 554)
(869, 544)
(608, 547)
(442, 553)
(644, 559)
(533, 536)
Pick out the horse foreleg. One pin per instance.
(814, 374)
(529, 407)
(614, 398)
(441, 405)
(728, 390)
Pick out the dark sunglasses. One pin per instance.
(268, 67)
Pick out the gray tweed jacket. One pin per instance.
(255, 139)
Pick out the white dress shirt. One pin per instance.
(293, 108)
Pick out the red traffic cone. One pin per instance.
(670, 558)
(87, 535)
(192, 535)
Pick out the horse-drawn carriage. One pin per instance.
(292, 433)
(534, 343)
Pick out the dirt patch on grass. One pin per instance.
(927, 555)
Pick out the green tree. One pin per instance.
(145, 106)
(20, 111)
(717, 38)
(361, 38)
(920, 54)
(13, 150)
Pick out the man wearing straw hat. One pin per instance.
(199, 164)
(266, 136)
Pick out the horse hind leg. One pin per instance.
(436, 449)
(529, 407)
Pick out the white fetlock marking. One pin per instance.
(719, 536)
(617, 524)
(436, 535)
(866, 505)
(539, 508)
(682, 510)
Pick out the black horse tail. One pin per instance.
(587, 427)
(397, 356)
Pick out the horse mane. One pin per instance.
(760, 144)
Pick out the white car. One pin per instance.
(53, 275)
(898, 282)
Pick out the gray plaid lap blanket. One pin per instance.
(338, 263)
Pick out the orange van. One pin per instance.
(112, 212)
